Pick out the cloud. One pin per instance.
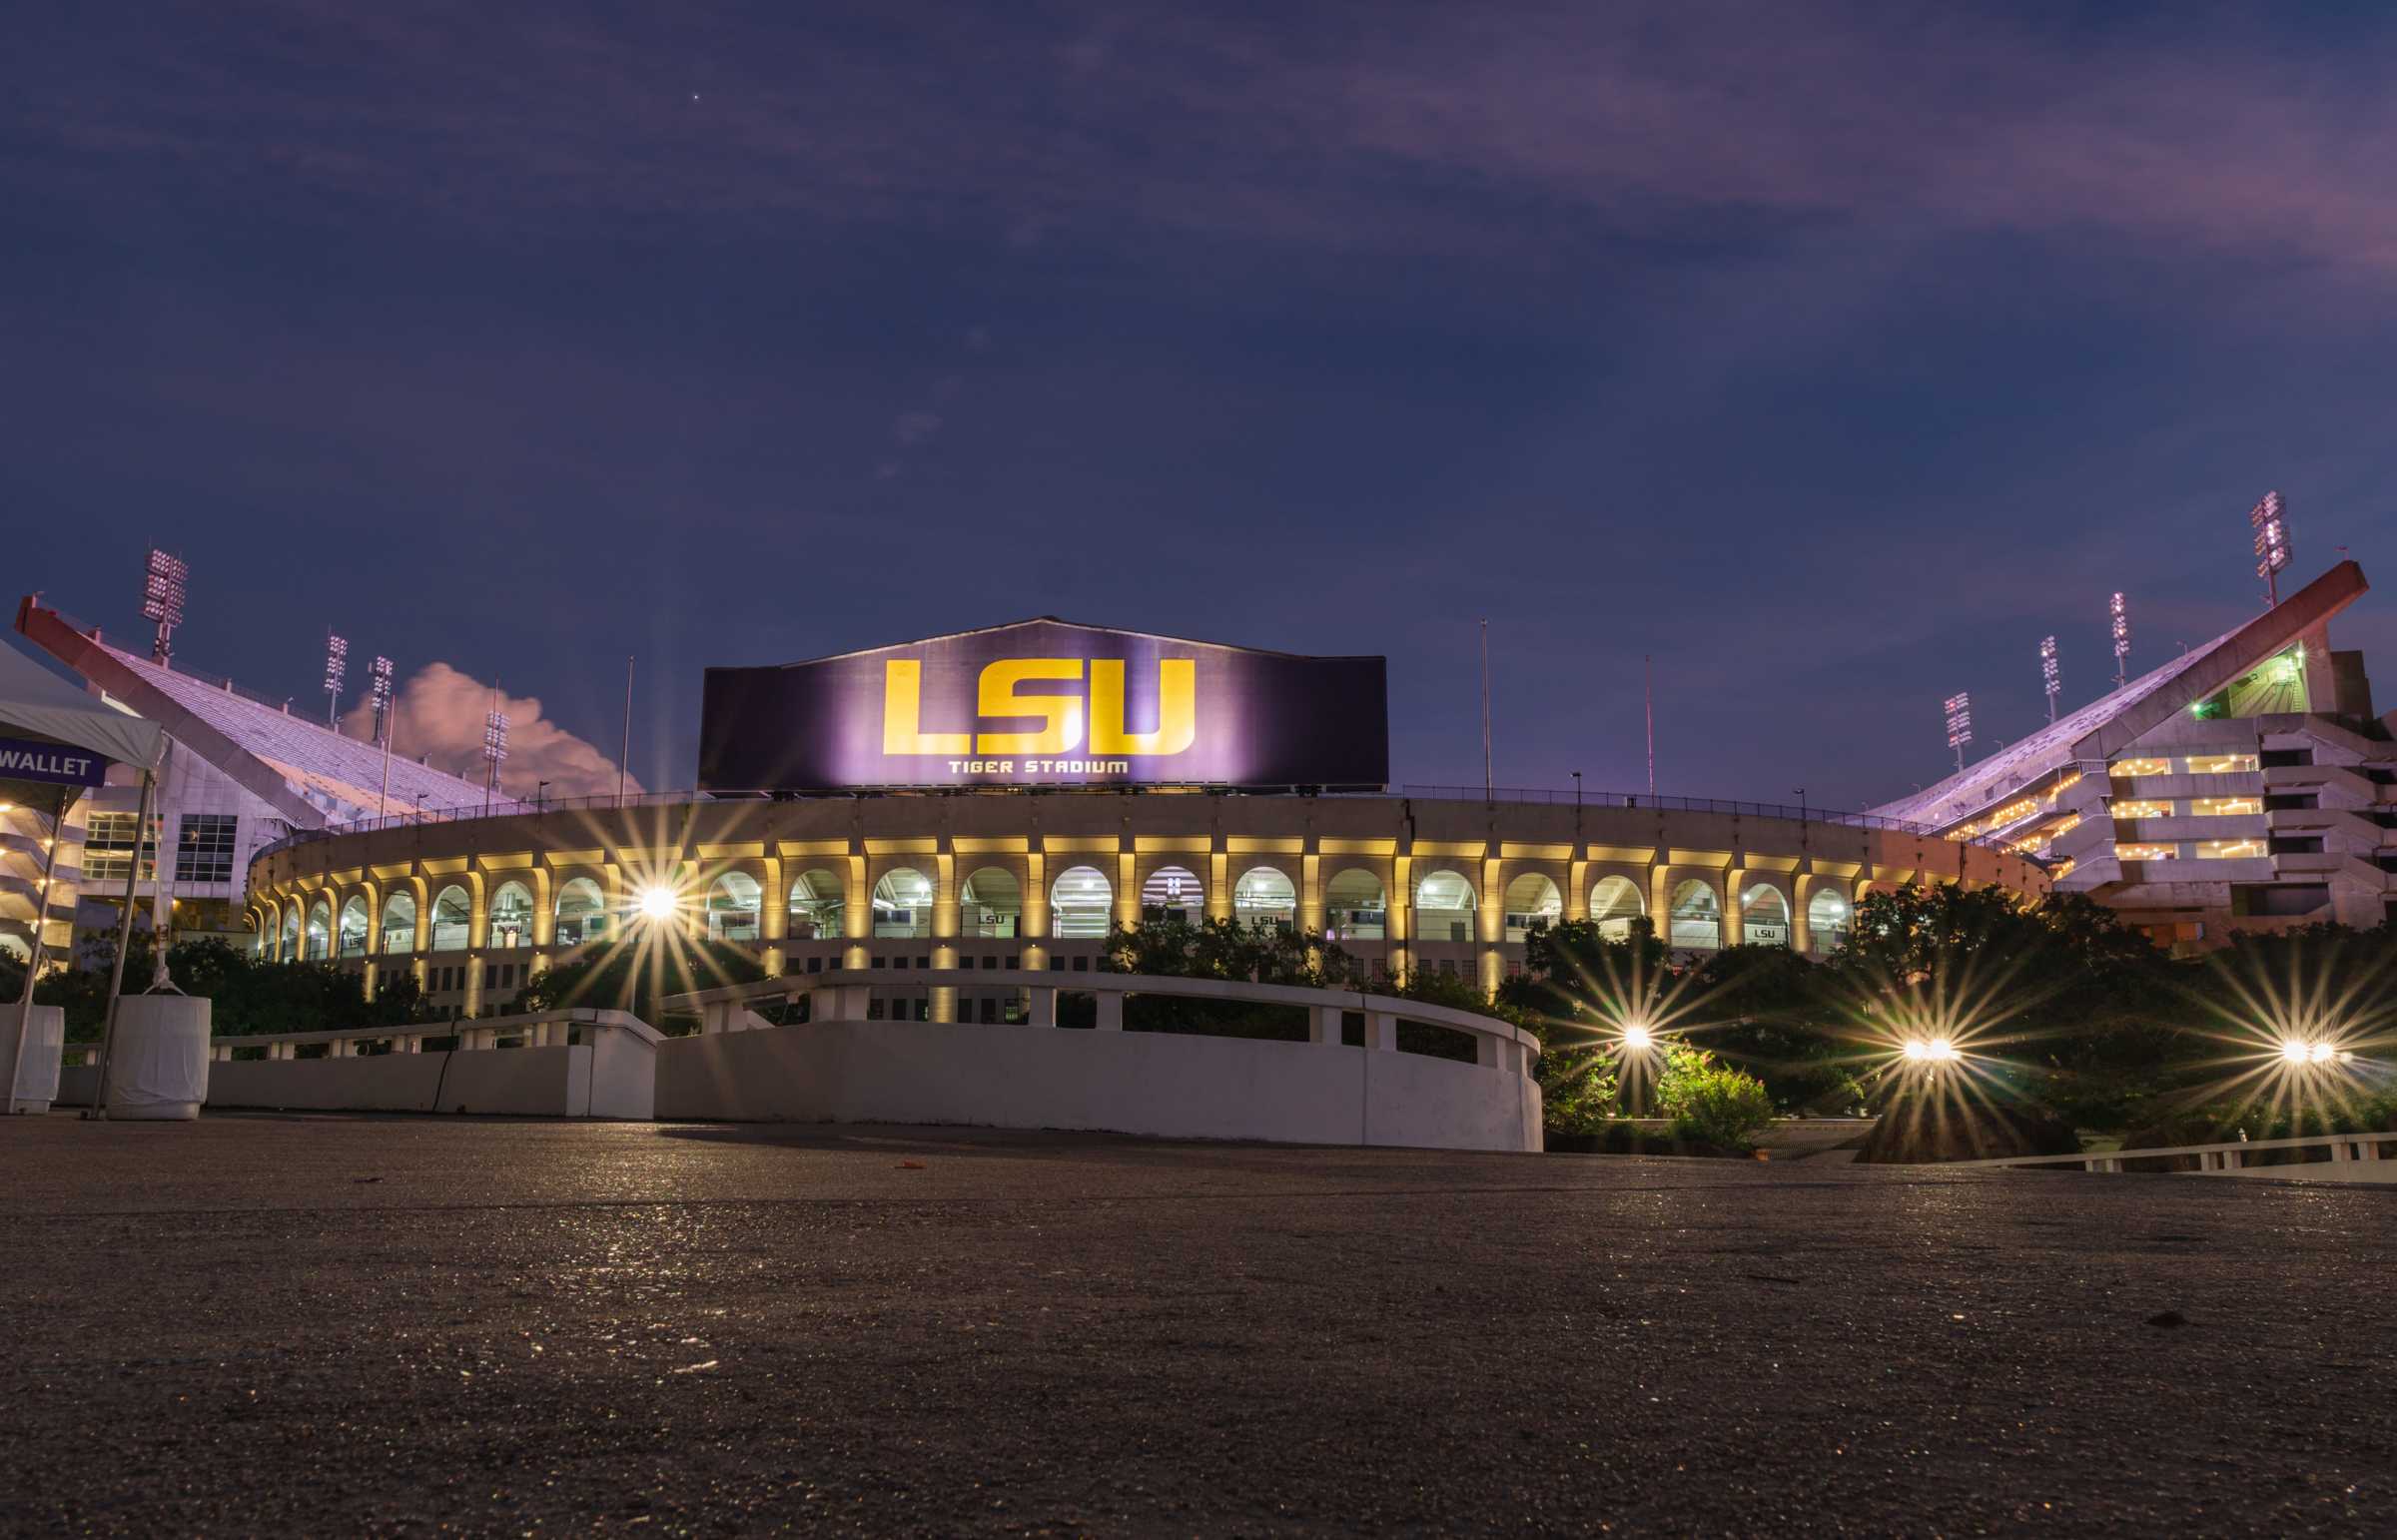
(914, 427)
(1407, 129)
(441, 716)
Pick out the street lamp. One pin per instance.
(540, 796)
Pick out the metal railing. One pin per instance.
(1598, 800)
(2346, 1152)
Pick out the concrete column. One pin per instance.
(1219, 884)
(1034, 921)
(1110, 1010)
(1399, 914)
(774, 920)
(1382, 1032)
(1577, 893)
(857, 915)
(1733, 880)
(1801, 936)
(1043, 1005)
(1128, 888)
(1310, 892)
(946, 920)
(1324, 1025)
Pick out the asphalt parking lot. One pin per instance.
(335, 1324)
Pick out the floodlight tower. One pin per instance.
(494, 751)
(2271, 544)
(2051, 677)
(2121, 642)
(336, 669)
(162, 602)
(1959, 724)
(380, 674)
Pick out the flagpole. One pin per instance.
(1648, 690)
(1486, 709)
(625, 752)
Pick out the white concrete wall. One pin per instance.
(522, 1081)
(1159, 1083)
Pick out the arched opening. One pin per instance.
(1697, 918)
(1827, 920)
(289, 952)
(903, 903)
(990, 903)
(452, 918)
(1614, 904)
(320, 930)
(1080, 904)
(1173, 893)
(399, 924)
(732, 907)
(1764, 917)
(511, 916)
(581, 913)
(1264, 896)
(259, 939)
(353, 936)
(1532, 903)
(819, 900)
(1355, 907)
(1443, 907)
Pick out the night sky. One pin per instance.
(1833, 356)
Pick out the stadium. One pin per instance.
(999, 799)
(995, 800)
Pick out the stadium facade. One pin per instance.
(998, 799)
(2244, 786)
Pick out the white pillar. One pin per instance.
(1110, 1010)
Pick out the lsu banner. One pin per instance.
(1045, 702)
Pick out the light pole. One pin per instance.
(540, 796)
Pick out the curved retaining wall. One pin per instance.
(1165, 1085)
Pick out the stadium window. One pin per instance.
(108, 847)
(2220, 764)
(2142, 810)
(203, 847)
(2128, 767)
(2148, 852)
(2224, 807)
(2228, 850)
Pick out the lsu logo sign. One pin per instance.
(1047, 702)
(1060, 715)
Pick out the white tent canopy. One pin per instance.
(34, 700)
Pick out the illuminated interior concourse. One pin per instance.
(475, 908)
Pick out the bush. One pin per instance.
(1710, 1102)
(1577, 1091)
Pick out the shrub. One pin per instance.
(1577, 1091)
(1712, 1102)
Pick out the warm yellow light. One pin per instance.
(1930, 1051)
(1915, 1048)
(2293, 1050)
(1638, 1039)
(656, 903)
(2321, 1053)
